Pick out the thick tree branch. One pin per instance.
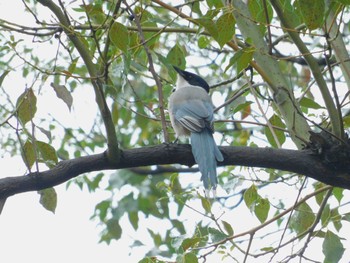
(265, 64)
(314, 67)
(97, 83)
(296, 161)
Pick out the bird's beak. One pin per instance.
(178, 70)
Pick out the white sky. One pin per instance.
(29, 233)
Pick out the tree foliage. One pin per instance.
(280, 78)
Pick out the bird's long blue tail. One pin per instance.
(206, 153)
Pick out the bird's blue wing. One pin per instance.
(195, 115)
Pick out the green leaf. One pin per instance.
(190, 258)
(258, 12)
(26, 106)
(190, 242)
(234, 59)
(151, 38)
(95, 12)
(119, 36)
(71, 68)
(216, 235)
(336, 218)
(95, 182)
(48, 153)
(137, 243)
(215, 3)
(227, 227)
(262, 208)
(176, 57)
(115, 113)
(172, 73)
(209, 25)
(48, 199)
(326, 214)
(309, 103)
(179, 225)
(63, 94)
(302, 218)
(275, 121)
(346, 120)
(250, 196)
(148, 260)
(73, 65)
(186, 258)
(157, 239)
(290, 12)
(241, 59)
(196, 8)
(101, 209)
(203, 42)
(319, 197)
(344, 2)
(206, 204)
(267, 249)
(114, 229)
(134, 219)
(46, 132)
(346, 217)
(312, 12)
(338, 193)
(226, 28)
(2, 76)
(126, 63)
(332, 248)
(242, 106)
(28, 154)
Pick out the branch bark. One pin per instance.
(295, 161)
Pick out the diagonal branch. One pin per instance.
(314, 67)
(113, 150)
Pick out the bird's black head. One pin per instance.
(193, 79)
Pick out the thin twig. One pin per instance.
(268, 26)
(254, 123)
(153, 72)
(334, 89)
(251, 236)
(316, 221)
(290, 217)
(269, 125)
(267, 222)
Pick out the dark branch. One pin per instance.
(162, 169)
(301, 162)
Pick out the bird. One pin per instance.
(191, 114)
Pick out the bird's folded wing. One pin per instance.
(194, 115)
